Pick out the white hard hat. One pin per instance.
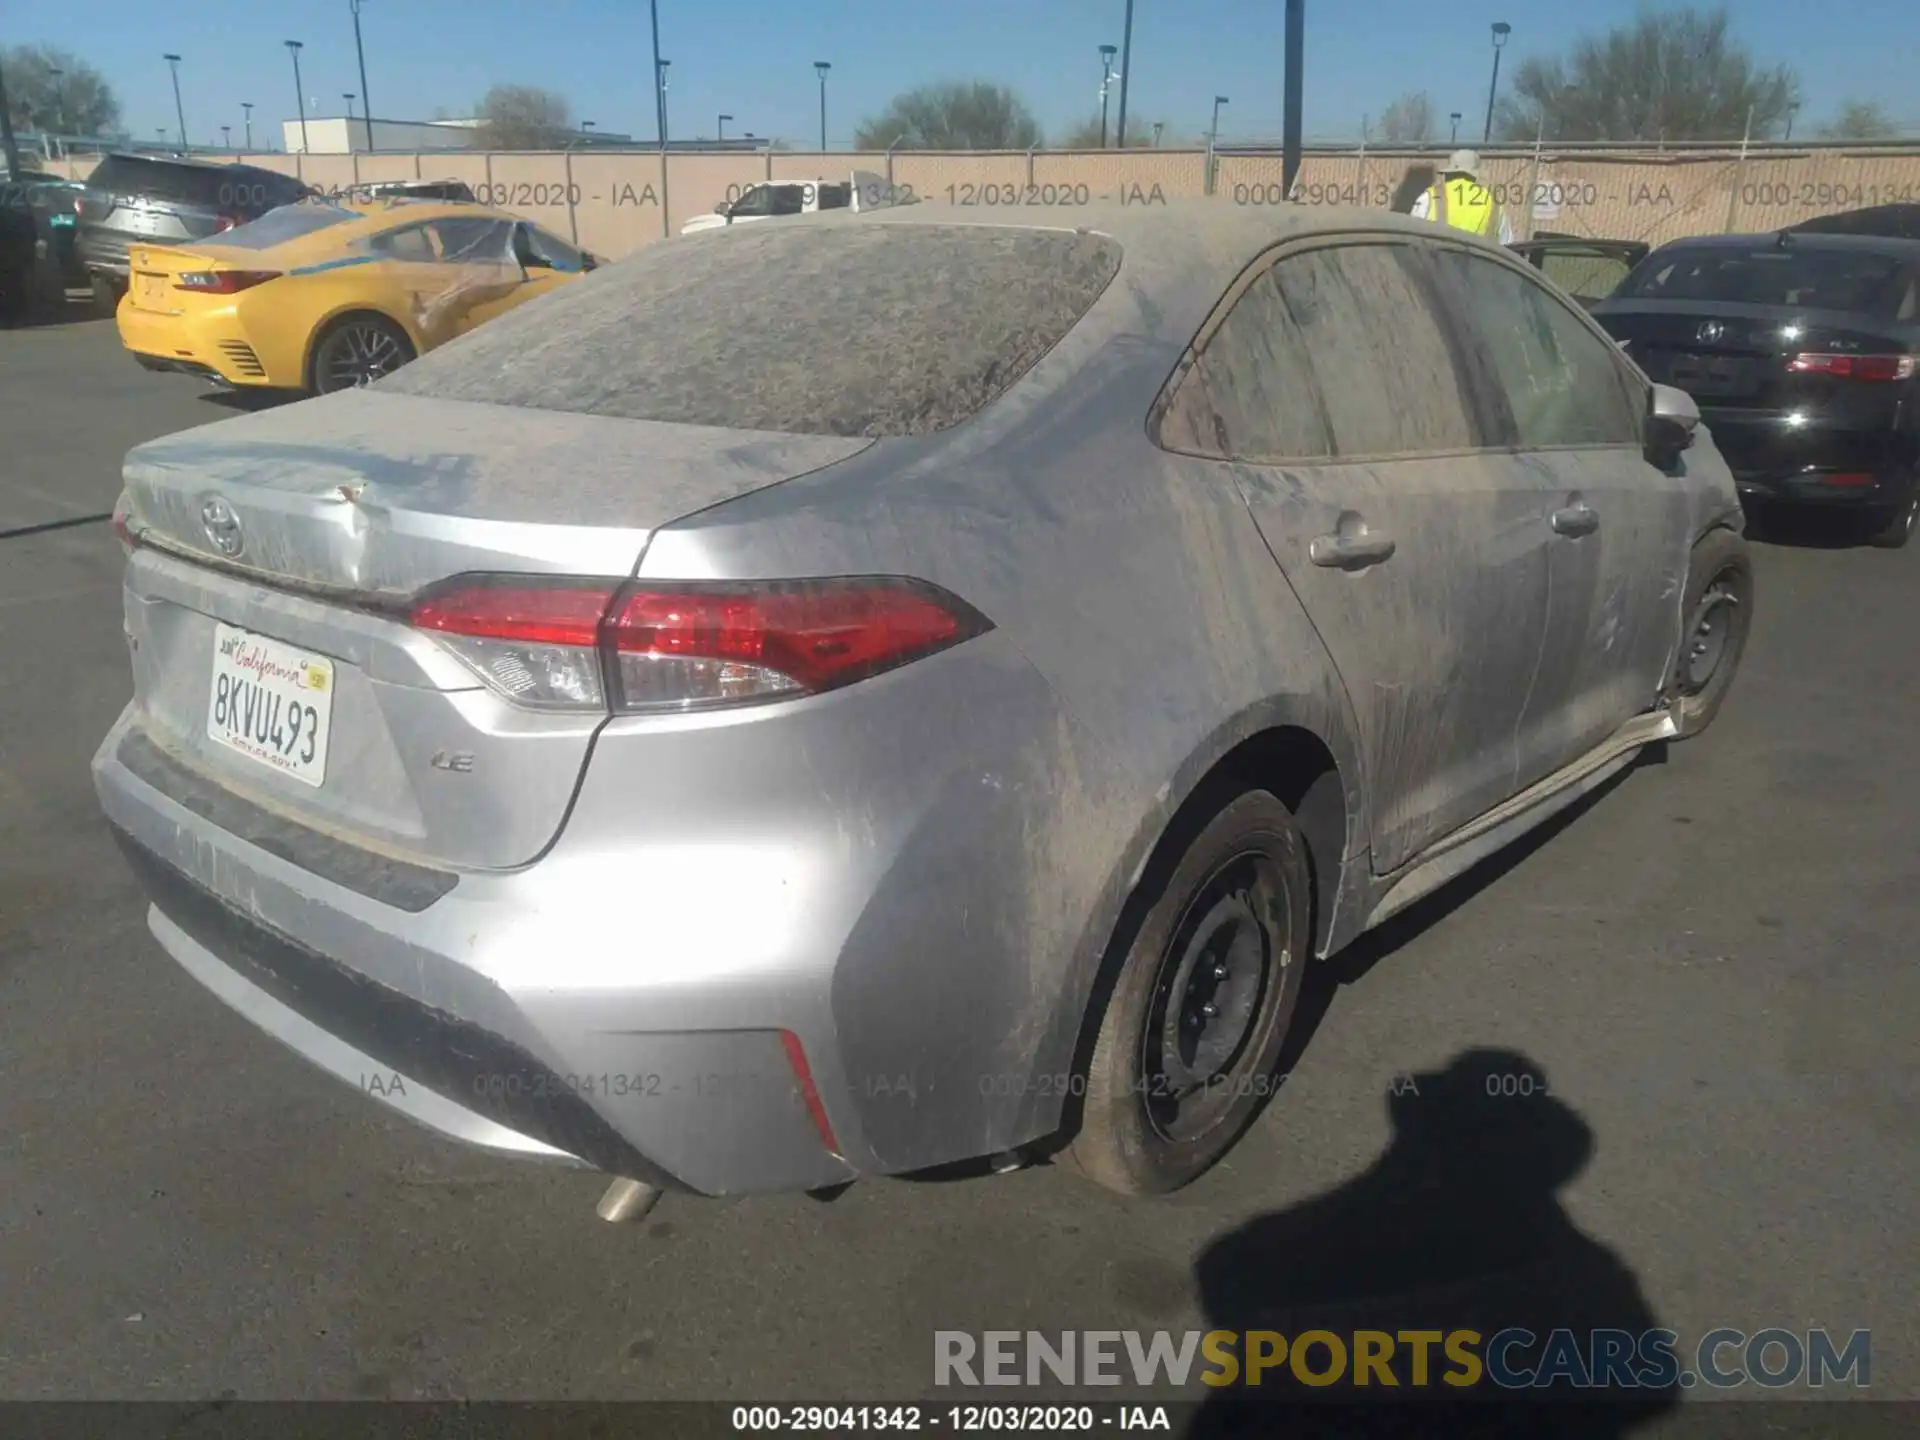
(1464, 162)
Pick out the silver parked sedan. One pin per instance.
(837, 697)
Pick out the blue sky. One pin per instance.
(752, 59)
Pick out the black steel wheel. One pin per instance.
(1186, 1048)
(1719, 614)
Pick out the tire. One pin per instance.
(356, 350)
(1893, 528)
(1719, 615)
(1228, 929)
(106, 296)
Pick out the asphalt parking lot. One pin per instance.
(1713, 962)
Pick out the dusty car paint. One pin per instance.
(919, 876)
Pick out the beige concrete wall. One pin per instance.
(615, 202)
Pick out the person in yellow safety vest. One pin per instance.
(1458, 199)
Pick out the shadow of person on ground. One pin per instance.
(1457, 1226)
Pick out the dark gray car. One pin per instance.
(165, 200)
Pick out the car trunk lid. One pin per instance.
(1738, 357)
(287, 543)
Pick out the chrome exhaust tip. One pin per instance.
(626, 1200)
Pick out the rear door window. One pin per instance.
(1386, 373)
(1563, 385)
(1250, 393)
(804, 329)
(1338, 352)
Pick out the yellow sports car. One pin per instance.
(320, 296)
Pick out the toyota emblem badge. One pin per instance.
(222, 526)
(1711, 331)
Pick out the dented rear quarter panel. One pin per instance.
(1159, 634)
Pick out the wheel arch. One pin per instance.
(1312, 768)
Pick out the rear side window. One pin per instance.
(474, 241)
(814, 329)
(411, 243)
(1250, 394)
(1335, 352)
(1562, 384)
(1862, 281)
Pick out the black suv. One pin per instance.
(165, 200)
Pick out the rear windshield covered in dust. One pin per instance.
(831, 329)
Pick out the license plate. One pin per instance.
(153, 289)
(272, 702)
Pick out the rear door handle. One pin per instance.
(1575, 520)
(1348, 552)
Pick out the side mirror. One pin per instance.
(1671, 421)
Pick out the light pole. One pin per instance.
(1126, 76)
(226, 137)
(1792, 110)
(659, 95)
(366, 101)
(179, 111)
(299, 95)
(1107, 77)
(1454, 137)
(348, 96)
(720, 131)
(1213, 140)
(1292, 94)
(663, 102)
(820, 68)
(1501, 30)
(59, 99)
(247, 105)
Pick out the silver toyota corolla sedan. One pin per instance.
(842, 696)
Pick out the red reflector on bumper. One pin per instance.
(1846, 479)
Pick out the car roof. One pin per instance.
(1186, 251)
(1800, 240)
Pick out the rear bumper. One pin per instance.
(213, 346)
(731, 973)
(1774, 461)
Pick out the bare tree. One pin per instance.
(78, 101)
(523, 117)
(1408, 120)
(953, 115)
(1860, 120)
(1676, 74)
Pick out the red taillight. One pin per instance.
(1846, 478)
(677, 646)
(222, 282)
(1854, 367)
(812, 635)
(516, 609)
